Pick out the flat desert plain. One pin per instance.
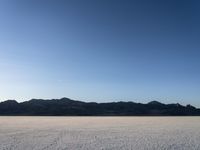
(100, 133)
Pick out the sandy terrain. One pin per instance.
(99, 133)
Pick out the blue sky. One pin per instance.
(100, 50)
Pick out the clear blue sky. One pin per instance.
(100, 50)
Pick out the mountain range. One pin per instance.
(68, 107)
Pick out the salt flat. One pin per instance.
(99, 133)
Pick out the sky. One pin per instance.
(100, 50)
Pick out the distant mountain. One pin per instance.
(68, 107)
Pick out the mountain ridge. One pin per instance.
(69, 107)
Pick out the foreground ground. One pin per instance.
(99, 133)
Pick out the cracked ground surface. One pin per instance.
(99, 133)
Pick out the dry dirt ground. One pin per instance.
(99, 133)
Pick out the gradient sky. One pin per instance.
(105, 50)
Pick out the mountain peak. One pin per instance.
(65, 98)
(155, 103)
(10, 102)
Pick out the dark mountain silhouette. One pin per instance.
(68, 107)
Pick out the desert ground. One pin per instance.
(99, 133)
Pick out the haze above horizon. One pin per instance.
(100, 50)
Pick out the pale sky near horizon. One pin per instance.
(100, 50)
